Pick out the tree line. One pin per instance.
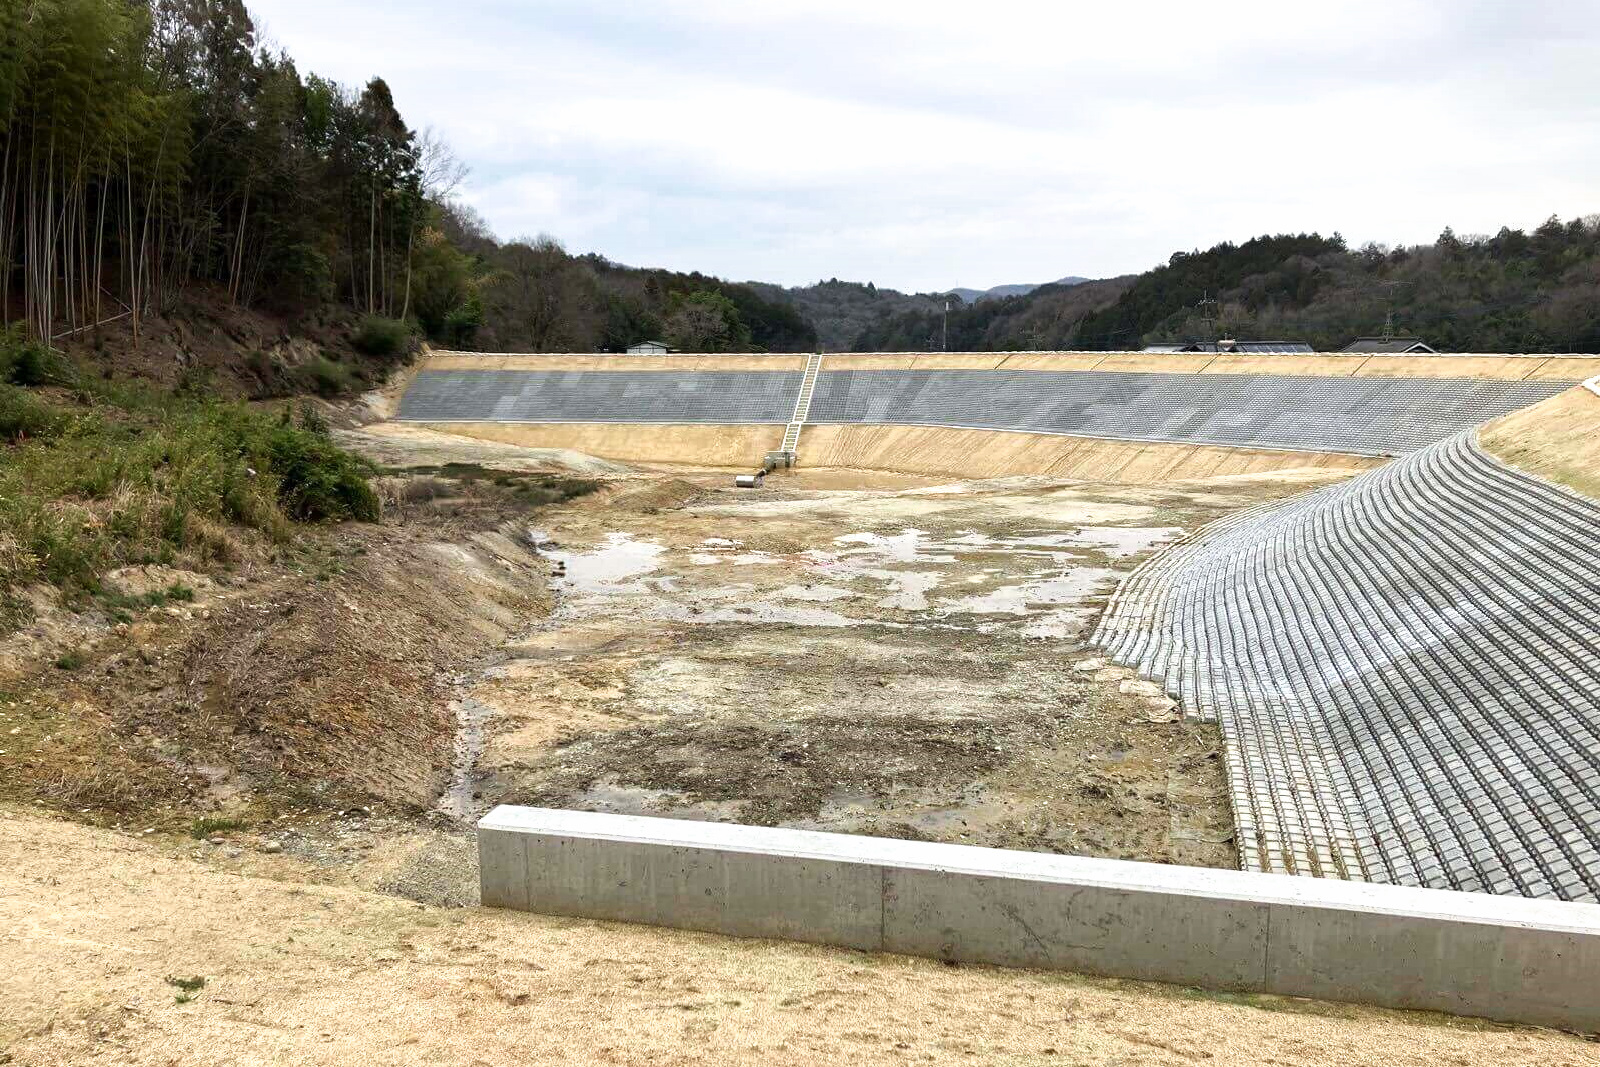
(533, 295)
(153, 144)
(1513, 291)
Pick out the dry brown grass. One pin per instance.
(314, 975)
(1558, 439)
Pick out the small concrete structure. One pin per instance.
(1515, 960)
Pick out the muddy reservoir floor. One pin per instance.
(903, 660)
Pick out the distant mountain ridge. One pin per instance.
(999, 292)
(844, 312)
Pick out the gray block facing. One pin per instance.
(1516, 960)
(1375, 416)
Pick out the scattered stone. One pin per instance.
(1087, 665)
(272, 847)
(1140, 688)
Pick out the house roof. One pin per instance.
(1253, 347)
(1387, 344)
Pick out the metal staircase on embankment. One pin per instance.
(785, 456)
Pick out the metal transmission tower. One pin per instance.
(1391, 289)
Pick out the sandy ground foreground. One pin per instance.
(93, 924)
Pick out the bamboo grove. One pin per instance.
(150, 145)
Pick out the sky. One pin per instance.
(924, 145)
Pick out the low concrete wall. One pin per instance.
(1505, 958)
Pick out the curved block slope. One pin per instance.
(1406, 668)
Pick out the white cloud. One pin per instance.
(933, 143)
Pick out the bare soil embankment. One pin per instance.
(314, 676)
(1558, 440)
(645, 443)
(922, 450)
(96, 927)
(999, 454)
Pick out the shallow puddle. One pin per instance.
(458, 800)
(1126, 540)
(614, 798)
(604, 569)
(1028, 598)
(822, 594)
(759, 612)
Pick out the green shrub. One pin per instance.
(464, 321)
(108, 487)
(30, 363)
(23, 415)
(318, 480)
(382, 337)
(327, 378)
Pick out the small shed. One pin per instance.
(650, 348)
(1387, 345)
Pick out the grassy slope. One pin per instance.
(96, 475)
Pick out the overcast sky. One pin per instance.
(924, 145)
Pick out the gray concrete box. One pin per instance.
(1507, 958)
(1023, 920)
(565, 864)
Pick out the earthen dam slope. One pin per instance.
(1117, 416)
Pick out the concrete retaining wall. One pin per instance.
(1510, 959)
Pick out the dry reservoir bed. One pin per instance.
(877, 656)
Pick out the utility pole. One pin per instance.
(944, 336)
(1206, 306)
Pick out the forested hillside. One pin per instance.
(535, 296)
(850, 315)
(152, 148)
(160, 168)
(1512, 292)
(1046, 318)
(842, 311)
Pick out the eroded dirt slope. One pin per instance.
(313, 675)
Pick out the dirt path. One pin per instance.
(94, 924)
